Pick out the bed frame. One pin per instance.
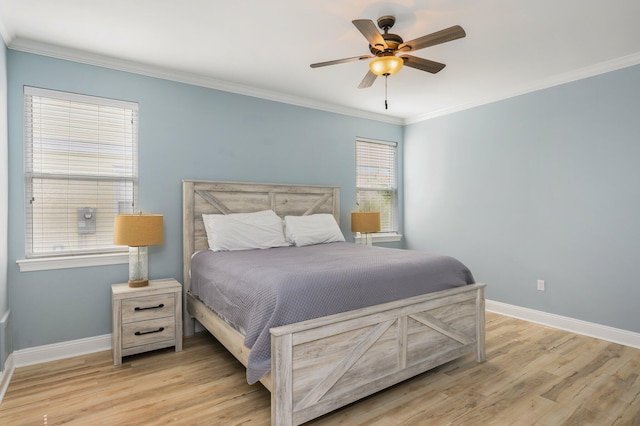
(322, 364)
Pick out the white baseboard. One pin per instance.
(603, 332)
(46, 353)
(55, 351)
(5, 376)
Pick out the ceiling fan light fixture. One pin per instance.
(385, 65)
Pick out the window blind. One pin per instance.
(81, 170)
(376, 188)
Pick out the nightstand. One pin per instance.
(146, 318)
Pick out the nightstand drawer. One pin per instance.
(148, 332)
(147, 307)
(146, 318)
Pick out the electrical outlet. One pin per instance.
(541, 285)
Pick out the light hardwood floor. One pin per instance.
(533, 375)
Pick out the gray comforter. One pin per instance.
(256, 290)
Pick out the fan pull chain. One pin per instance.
(386, 106)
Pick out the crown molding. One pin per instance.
(5, 34)
(568, 77)
(45, 49)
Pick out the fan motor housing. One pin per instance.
(392, 40)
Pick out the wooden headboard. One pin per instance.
(236, 197)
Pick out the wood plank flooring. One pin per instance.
(533, 376)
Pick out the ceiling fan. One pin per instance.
(385, 46)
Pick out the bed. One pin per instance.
(321, 364)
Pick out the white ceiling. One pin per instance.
(264, 48)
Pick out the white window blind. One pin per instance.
(81, 169)
(376, 188)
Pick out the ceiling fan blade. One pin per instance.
(340, 61)
(367, 81)
(371, 33)
(422, 64)
(442, 36)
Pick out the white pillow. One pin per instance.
(312, 229)
(244, 231)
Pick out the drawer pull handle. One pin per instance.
(140, 333)
(160, 306)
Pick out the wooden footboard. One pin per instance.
(323, 364)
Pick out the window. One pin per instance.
(376, 188)
(81, 170)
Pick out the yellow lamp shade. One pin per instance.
(386, 65)
(365, 222)
(138, 230)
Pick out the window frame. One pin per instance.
(385, 235)
(97, 252)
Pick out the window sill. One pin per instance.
(380, 237)
(64, 262)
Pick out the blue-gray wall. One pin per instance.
(185, 132)
(5, 332)
(541, 186)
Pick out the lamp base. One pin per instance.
(138, 283)
(138, 267)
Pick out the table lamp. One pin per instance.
(138, 231)
(365, 223)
